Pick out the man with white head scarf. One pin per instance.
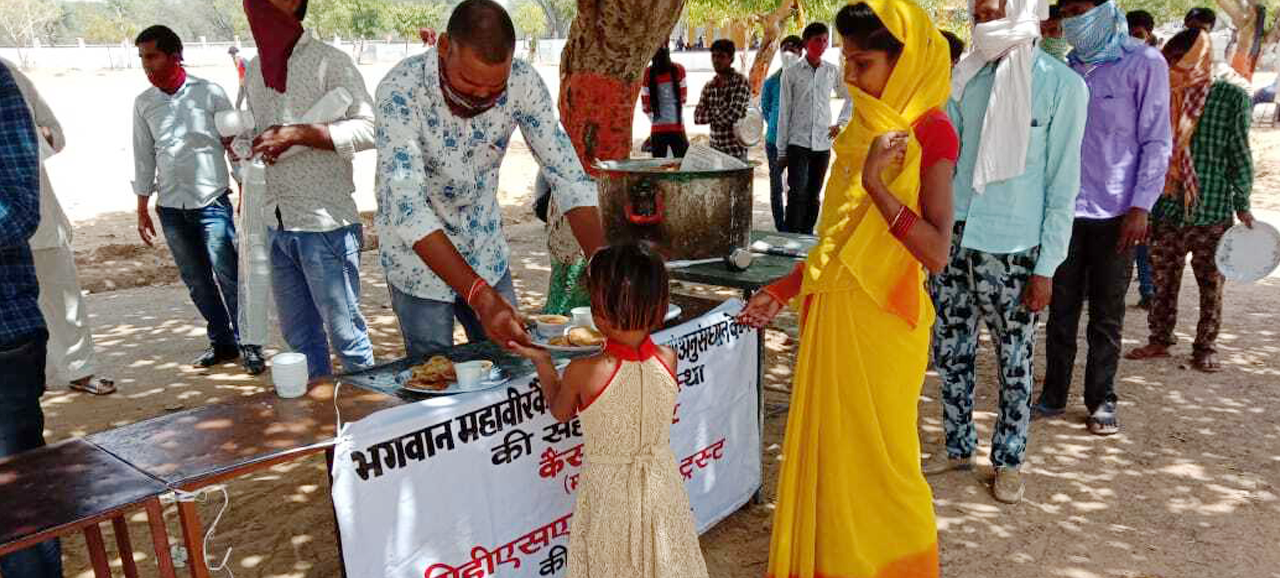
(1020, 114)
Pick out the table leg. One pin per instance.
(160, 538)
(758, 497)
(193, 538)
(121, 527)
(97, 551)
(337, 531)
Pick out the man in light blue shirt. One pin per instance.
(790, 51)
(1013, 225)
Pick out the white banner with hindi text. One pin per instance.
(483, 484)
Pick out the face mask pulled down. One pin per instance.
(464, 106)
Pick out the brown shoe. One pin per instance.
(936, 467)
(1008, 486)
(1148, 351)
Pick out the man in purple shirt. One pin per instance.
(1125, 155)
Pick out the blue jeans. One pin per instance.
(203, 243)
(316, 281)
(775, 188)
(1146, 287)
(427, 325)
(22, 429)
(1267, 94)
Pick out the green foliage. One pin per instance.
(948, 14)
(530, 19)
(406, 18)
(362, 19)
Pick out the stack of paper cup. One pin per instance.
(233, 122)
(289, 373)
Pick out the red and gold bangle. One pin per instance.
(475, 287)
(903, 222)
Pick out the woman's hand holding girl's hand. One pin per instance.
(760, 310)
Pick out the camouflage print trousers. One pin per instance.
(984, 287)
(1169, 248)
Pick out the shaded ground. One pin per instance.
(1188, 488)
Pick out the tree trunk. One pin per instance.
(601, 67)
(772, 25)
(1244, 15)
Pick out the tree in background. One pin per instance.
(773, 18)
(24, 21)
(558, 14)
(609, 44)
(530, 19)
(1249, 17)
(408, 18)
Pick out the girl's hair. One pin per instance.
(629, 286)
(859, 23)
(662, 63)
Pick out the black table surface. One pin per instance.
(58, 485)
(765, 269)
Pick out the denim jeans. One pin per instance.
(775, 188)
(22, 429)
(1142, 260)
(427, 325)
(316, 281)
(203, 243)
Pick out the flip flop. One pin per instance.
(95, 386)
(1205, 363)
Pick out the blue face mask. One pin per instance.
(1098, 35)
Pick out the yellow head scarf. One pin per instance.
(856, 246)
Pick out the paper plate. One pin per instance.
(497, 378)
(1249, 255)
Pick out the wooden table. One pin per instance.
(74, 486)
(197, 448)
(765, 269)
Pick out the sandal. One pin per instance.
(95, 385)
(1205, 363)
(1148, 351)
(1103, 422)
(1040, 410)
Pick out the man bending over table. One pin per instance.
(445, 119)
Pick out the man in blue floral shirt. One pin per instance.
(445, 119)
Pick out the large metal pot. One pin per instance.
(687, 215)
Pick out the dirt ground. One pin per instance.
(1189, 488)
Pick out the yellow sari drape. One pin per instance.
(852, 502)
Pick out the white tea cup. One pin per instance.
(582, 317)
(472, 373)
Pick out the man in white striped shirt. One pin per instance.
(805, 128)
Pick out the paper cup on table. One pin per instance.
(472, 373)
(289, 374)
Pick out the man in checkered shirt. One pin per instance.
(23, 334)
(1223, 166)
(724, 101)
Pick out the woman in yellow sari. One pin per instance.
(852, 502)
